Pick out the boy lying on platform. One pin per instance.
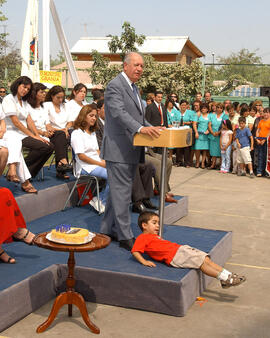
(178, 256)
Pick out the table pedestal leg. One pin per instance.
(69, 297)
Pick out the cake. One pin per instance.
(70, 235)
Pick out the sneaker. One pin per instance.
(234, 172)
(259, 175)
(243, 173)
(94, 203)
(251, 175)
(233, 280)
(222, 171)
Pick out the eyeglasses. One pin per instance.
(2, 92)
(173, 96)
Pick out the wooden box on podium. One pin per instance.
(169, 138)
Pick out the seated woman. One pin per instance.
(56, 109)
(76, 102)
(57, 137)
(85, 146)
(22, 130)
(13, 225)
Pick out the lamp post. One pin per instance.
(213, 55)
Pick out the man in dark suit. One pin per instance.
(156, 113)
(142, 189)
(123, 119)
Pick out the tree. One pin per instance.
(102, 72)
(126, 42)
(243, 67)
(10, 67)
(3, 42)
(185, 80)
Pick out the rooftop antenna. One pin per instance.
(85, 28)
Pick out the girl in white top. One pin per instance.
(226, 146)
(3, 143)
(85, 146)
(22, 131)
(56, 110)
(45, 129)
(77, 101)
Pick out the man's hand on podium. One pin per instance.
(152, 131)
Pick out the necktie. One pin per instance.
(134, 89)
(161, 115)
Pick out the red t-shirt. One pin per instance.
(157, 248)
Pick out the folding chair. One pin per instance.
(89, 178)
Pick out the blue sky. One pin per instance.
(221, 27)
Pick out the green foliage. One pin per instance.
(102, 72)
(244, 57)
(10, 60)
(3, 36)
(184, 80)
(58, 60)
(251, 72)
(126, 42)
(10, 67)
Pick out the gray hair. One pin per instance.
(129, 55)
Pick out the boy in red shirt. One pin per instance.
(262, 134)
(178, 256)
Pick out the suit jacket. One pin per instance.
(123, 118)
(152, 115)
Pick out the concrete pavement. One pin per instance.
(216, 201)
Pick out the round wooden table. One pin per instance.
(70, 296)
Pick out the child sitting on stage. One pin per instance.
(176, 255)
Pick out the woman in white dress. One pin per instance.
(85, 146)
(76, 102)
(45, 129)
(56, 109)
(21, 131)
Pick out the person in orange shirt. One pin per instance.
(176, 255)
(262, 134)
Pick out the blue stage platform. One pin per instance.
(109, 276)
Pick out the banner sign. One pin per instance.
(50, 77)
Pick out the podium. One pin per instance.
(169, 138)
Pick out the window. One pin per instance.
(188, 59)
